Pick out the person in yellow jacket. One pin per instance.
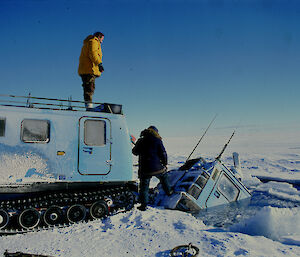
(90, 65)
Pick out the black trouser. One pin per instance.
(144, 187)
(88, 84)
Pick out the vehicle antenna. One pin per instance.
(225, 146)
(201, 137)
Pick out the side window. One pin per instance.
(228, 189)
(95, 132)
(2, 127)
(35, 131)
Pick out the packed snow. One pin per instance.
(270, 227)
(20, 165)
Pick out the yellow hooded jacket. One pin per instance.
(90, 57)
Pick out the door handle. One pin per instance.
(109, 162)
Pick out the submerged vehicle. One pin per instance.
(61, 163)
(200, 184)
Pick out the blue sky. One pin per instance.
(173, 64)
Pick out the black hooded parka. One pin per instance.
(152, 154)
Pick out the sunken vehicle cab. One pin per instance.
(60, 163)
(201, 184)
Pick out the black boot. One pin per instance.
(170, 192)
(142, 207)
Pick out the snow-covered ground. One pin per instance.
(268, 230)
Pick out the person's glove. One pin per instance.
(101, 68)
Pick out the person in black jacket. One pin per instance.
(153, 160)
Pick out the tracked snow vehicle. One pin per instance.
(199, 184)
(60, 163)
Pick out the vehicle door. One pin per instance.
(224, 191)
(94, 151)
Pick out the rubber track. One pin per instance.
(122, 200)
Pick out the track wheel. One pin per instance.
(4, 218)
(29, 218)
(53, 216)
(76, 213)
(98, 209)
(130, 200)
